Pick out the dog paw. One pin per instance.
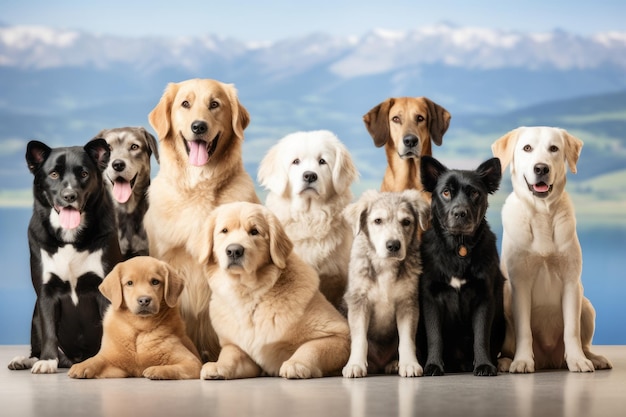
(600, 362)
(433, 370)
(486, 369)
(211, 370)
(580, 365)
(392, 368)
(48, 366)
(522, 366)
(80, 371)
(297, 370)
(411, 369)
(504, 364)
(22, 362)
(160, 373)
(354, 370)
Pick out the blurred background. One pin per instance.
(69, 70)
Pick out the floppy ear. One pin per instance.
(438, 121)
(344, 171)
(174, 284)
(272, 173)
(430, 170)
(503, 148)
(490, 172)
(159, 117)
(111, 287)
(377, 122)
(280, 244)
(241, 117)
(573, 146)
(98, 151)
(36, 154)
(420, 205)
(355, 213)
(151, 142)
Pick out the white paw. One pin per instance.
(579, 365)
(48, 366)
(410, 369)
(22, 362)
(522, 366)
(354, 370)
(210, 370)
(297, 370)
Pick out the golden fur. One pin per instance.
(183, 195)
(416, 119)
(266, 305)
(143, 333)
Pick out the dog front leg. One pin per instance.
(434, 338)
(572, 305)
(407, 316)
(481, 323)
(523, 361)
(232, 363)
(48, 317)
(358, 320)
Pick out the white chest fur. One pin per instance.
(457, 283)
(69, 265)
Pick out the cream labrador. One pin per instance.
(550, 323)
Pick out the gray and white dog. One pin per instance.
(127, 177)
(382, 293)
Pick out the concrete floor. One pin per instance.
(548, 393)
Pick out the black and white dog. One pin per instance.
(73, 245)
(461, 288)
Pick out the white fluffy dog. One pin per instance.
(308, 175)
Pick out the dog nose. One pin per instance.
(309, 176)
(144, 301)
(459, 213)
(410, 141)
(118, 165)
(234, 251)
(541, 169)
(69, 195)
(199, 127)
(393, 245)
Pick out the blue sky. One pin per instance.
(249, 20)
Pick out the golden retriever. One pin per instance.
(200, 125)
(406, 126)
(550, 323)
(143, 332)
(308, 175)
(266, 306)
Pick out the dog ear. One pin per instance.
(280, 244)
(159, 117)
(240, 116)
(573, 146)
(503, 148)
(36, 154)
(438, 121)
(272, 173)
(98, 150)
(344, 170)
(111, 286)
(356, 213)
(490, 172)
(420, 205)
(430, 170)
(151, 142)
(377, 122)
(174, 284)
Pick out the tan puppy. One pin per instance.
(200, 125)
(143, 333)
(550, 323)
(406, 126)
(266, 305)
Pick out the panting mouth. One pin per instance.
(199, 151)
(69, 217)
(540, 189)
(122, 188)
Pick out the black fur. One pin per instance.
(460, 329)
(69, 176)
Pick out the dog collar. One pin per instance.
(462, 250)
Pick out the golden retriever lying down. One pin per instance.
(143, 333)
(200, 125)
(266, 306)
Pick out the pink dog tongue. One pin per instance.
(121, 191)
(542, 187)
(198, 153)
(69, 218)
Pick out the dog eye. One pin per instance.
(155, 282)
(296, 161)
(446, 193)
(554, 148)
(254, 231)
(129, 284)
(224, 230)
(84, 174)
(54, 175)
(405, 222)
(420, 118)
(395, 119)
(214, 105)
(322, 161)
(134, 147)
(185, 104)
(378, 221)
(527, 148)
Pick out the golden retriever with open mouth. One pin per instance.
(144, 334)
(200, 125)
(266, 305)
(406, 126)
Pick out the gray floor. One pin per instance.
(552, 393)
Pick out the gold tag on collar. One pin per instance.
(462, 251)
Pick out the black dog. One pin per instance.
(461, 288)
(72, 237)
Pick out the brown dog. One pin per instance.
(200, 125)
(406, 126)
(266, 305)
(143, 334)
